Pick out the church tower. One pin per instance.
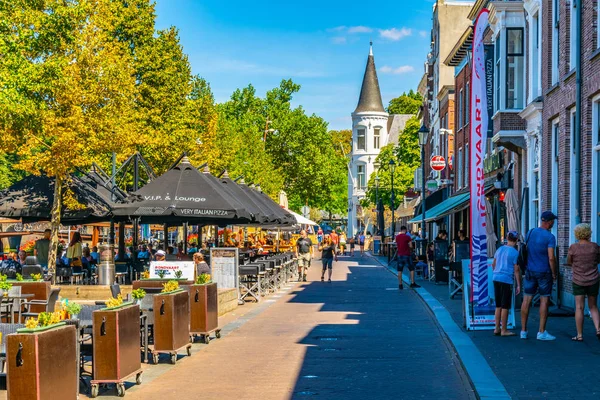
(369, 135)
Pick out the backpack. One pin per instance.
(522, 257)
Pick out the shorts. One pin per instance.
(591, 290)
(327, 263)
(503, 295)
(304, 260)
(540, 282)
(405, 261)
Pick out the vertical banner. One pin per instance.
(478, 293)
(489, 79)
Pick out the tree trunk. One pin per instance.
(55, 226)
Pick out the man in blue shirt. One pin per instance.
(540, 274)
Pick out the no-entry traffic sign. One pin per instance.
(438, 163)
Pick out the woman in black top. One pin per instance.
(328, 254)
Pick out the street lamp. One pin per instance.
(423, 133)
(376, 165)
(392, 168)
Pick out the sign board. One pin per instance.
(438, 163)
(305, 211)
(479, 315)
(170, 267)
(224, 264)
(431, 185)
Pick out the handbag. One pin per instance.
(522, 257)
(76, 262)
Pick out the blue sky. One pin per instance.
(322, 45)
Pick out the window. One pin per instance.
(360, 176)
(554, 170)
(460, 109)
(361, 141)
(467, 166)
(572, 176)
(460, 169)
(514, 68)
(498, 57)
(534, 70)
(376, 138)
(595, 220)
(573, 34)
(555, 39)
(467, 105)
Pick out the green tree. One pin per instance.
(407, 103)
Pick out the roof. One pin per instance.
(370, 95)
(459, 52)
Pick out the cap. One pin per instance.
(513, 236)
(548, 216)
(160, 253)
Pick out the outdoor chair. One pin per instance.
(77, 275)
(8, 308)
(115, 291)
(29, 270)
(50, 303)
(121, 271)
(63, 273)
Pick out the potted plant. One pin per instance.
(37, 277)
(204, 308)
(5, 285)
(146, 275)
(171, 321)
(44, 361)
(138, 295)
(73, 309)
(19, 277)
(170, 286)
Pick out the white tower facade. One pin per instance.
(369, 135)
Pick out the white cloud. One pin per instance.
(339, 40)
(360, 29)
(395, 34)
(403, 69)
(423, 34)
(337, 29)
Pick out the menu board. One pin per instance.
(224, 267)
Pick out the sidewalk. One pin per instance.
(532, 369)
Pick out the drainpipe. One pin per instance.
(577, 132)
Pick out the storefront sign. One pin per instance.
(170, 267)
(224, 267)
(489, 86)
(431, 185)
(479, 290)
(481, 316)
(438, 163)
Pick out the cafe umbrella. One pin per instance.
(184, 194)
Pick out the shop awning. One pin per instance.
(444, 208)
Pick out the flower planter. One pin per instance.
(116, 346)
(157, 283)
(171, 324)
(204, 310)
(42, 363)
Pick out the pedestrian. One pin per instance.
(160, 255)
(334, 237)
(304, 252)
(75, 250)
(342, 243)
(202, 266)
(361, 243)
(540, 273)
(95, 255)
(320, 235)
(328, 254)
(22, 258)
(584, 257)
(42, 250)
(351, 244)
(506, 273)
(404, 253)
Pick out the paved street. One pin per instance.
(530, 369)
(355, 338)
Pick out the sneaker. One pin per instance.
(545, 336)
(304, 278)
(523, 334)
(414, 285)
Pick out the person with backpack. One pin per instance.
(506, 273)
(541, 272)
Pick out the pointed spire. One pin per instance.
(370, 95)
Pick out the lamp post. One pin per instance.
(376, 165)
(423, 132)
(392, 168)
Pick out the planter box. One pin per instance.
(39, 289)
(116, 343)
(204, 308)
(43, 364)
(171, 321)
(157, 283)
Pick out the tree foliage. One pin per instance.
(407, 103)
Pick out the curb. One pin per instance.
(485, 382)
